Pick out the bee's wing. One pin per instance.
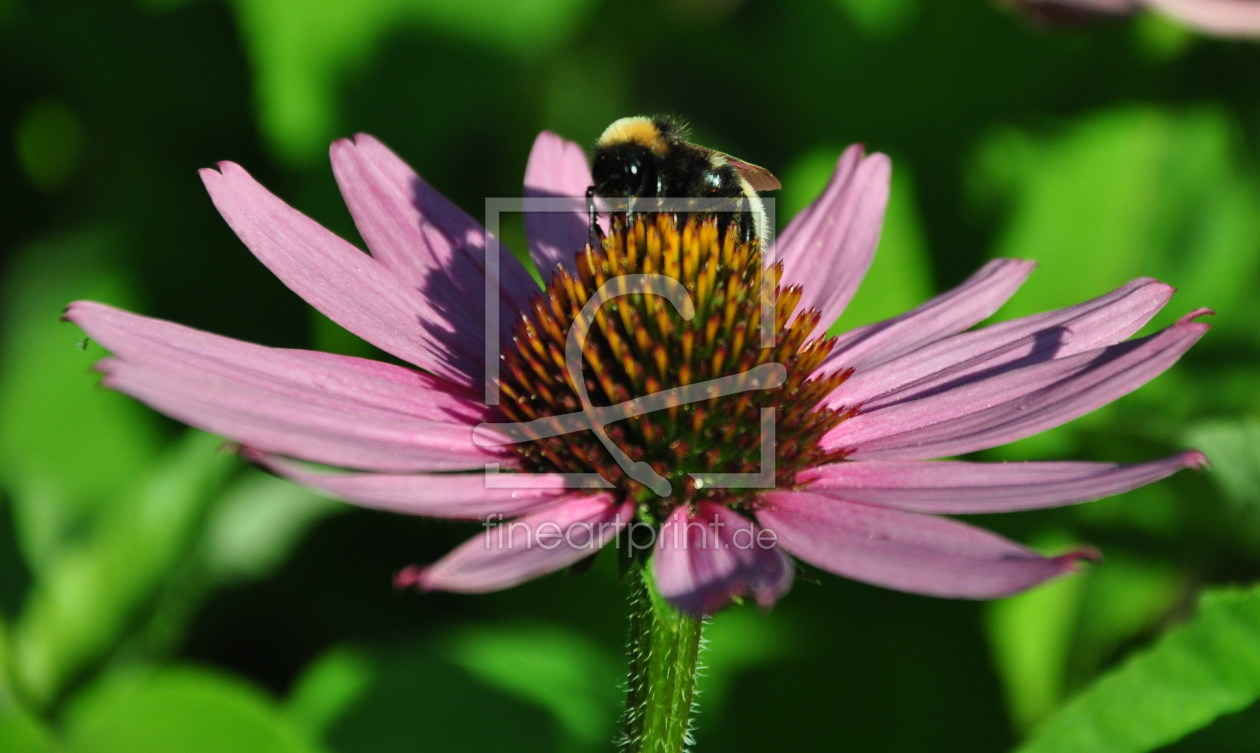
(758, 177)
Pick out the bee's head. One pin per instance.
(623, 170)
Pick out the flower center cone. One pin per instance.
(676, 338)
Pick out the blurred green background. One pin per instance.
(157, 595)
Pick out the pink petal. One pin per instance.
(1226, 18)
(422, 236)
(1070, 13)
(975, 300)
(557, 168)
(955, 487)
(1106, 320)
(522, 549)
(279, 420)
(906, 551)
(704, 561)
(305, 376)
(336, 278)
(991, 409)
(437, 250)
(466, 496)
(828, 247)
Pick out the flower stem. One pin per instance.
(663, 647)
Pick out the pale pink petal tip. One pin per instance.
(1195, 460)
(1082, 553)
(408, 577)
(219, 169)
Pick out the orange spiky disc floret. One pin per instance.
(639, 344)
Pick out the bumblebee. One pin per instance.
(640, 158)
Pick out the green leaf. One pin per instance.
(1233, 446)
(577, 681)
(1194, 674)
(1160, 37)
(303, 49)
(881, 20)
(101, 587)
(1126, 596)
(1031, 635)
(1128, 192)
(330, 687)
(257, 523)
(66, 445)
(179, 709)
(49, 143)
(1043, 638)
(547, 689)
(20, 733)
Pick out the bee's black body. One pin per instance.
(642, 159)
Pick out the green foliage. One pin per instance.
(186, 709)
(1195, 673)
(1161, 190)
(1032, 639)
(21, 733)
(1234, 446)
(463, 691)
(303, 50)
(1045, 639)
(87, 601)
(578, 683)
(50, 408)
(880, 20)
(49, 143)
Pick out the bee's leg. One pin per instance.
(688, 211)
(595, 238)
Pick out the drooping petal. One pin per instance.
(343, 283)
(986, 409)
(519, 550)
(906, 551)
(306, 377)
(557, 169)
(975, 300)
(828, 247)
(956, 487)
(704, 561)
(433, 246)
(467, 496)
(279, 420)
(1105, 320)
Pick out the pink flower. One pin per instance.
(1221, 18)
(858, 420)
